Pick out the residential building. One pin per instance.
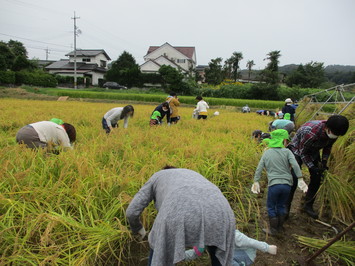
(179, 57)
(89, 63)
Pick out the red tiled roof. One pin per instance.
(185, 50)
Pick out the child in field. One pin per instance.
(244, 250)
(201, 108)
(155, 118)
(277, 161)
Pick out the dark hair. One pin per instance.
(257, 133)
(126, 110)
(172, 93)
(168, 167)
(70, 129)
(165, 104)
(199, 98)
(338, 124)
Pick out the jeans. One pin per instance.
(276, 200)
(105, 126)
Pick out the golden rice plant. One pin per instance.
(70, 208)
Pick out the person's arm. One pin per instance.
(193, 253)
(292, 160)
(63, 139)
(259, 169)
(112, 117)
(197, 107)
(176, 102)
(168, 116)
(326, 152)
(207, 107)
(243, 241)
(140, 201)
(125, 124)
(306, 148)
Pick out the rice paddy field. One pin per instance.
(69, 209)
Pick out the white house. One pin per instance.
(89, 63)
(179, 57)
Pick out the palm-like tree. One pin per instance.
(250, 65)
(236, 58)
(273, 56)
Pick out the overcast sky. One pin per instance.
(303, 30)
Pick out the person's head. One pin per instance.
(288, 101)
(199, 98)
(168, 167)
(165, 106)
(287, 116)
(336, 125)
(279, 138)
(71, 132)
(280, 115)
(127, 111)
(257, 134)
(173, 94)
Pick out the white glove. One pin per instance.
(272, 249)
(255, 188)
(302, 185)
(169, 124)
(142, 233)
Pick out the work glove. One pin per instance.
(302, 185)
(315, 171)
(255, 188)
(141, 234)
(272, 249)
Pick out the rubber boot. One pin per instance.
(282, 219)
(274, 223)
(308, 208)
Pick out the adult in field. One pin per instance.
(191, 212)
(111, 118)
(284, 123)
(310, 138)
(164, 110)
(246, 109)
(288, 109)
(201, 108)
(173, 101)
(47, 134)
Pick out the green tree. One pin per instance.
(271, 72)
(125, 71)
(250, 65)
(21, 63)
(7, 57)
(214, 73)
(171, 78)
(17, 48)
(310, 75)
(236, 58)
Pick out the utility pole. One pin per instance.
(75, 34)
(47, 53)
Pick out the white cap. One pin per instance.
(288, 100)
(216, 113)
(280, 114)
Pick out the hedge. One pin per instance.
(7, 77)
(161, 98)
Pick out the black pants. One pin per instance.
(201, 116)
(315, 182)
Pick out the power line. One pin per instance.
(34, 40)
